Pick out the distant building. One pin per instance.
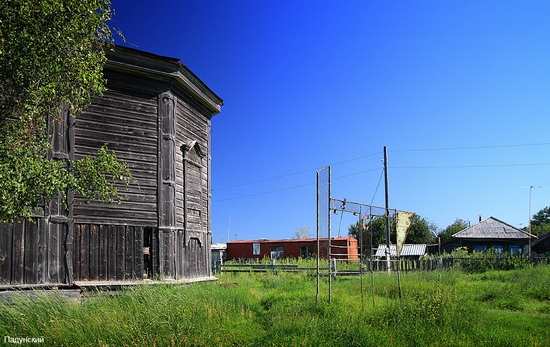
(408, 251)
(491, 233)
(218, 252)
(341, 248)
(541, 245)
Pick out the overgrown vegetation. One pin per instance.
(448, 308)
(479, 262)
(420, 231)
(51, 62)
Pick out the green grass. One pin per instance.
(448, 308)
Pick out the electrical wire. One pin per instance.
(377, 186)
(340, 225)
(266, 192)
(288, 188)
(295, 173)
(466, 166)
(263, 180)
(391, 167)
(469, 148)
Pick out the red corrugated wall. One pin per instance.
(344, 248)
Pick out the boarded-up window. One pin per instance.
(193, 185)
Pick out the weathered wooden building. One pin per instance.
(490, 233)
(156, 115)
(341, 248)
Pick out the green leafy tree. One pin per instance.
(448, 232)
(540, 222)
(371, 236)
(541, 217)
(420, 231)
(51, 57)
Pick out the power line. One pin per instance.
(357, 173)
(467, 166)
(266, 192)
(392, 150)
(377, 186)
(294, 173)
(392, 167)
(263, 180)
(470, 148)
(370, 170)
(288, 188)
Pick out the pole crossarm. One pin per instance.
(356, 207)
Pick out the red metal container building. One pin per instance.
(342, 248)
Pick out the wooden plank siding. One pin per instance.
(193, 169)
(32, 252)
(127, 122)
(192, 254)
(108, 253)
(6, 255)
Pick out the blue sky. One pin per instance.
(458, 91)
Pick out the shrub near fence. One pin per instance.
(407, 264)
(479, 262)
(469, 263)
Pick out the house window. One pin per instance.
(277, 252)
(306, 251)
(498, 249)
(515, 249)
(480, 248)
(256, 248)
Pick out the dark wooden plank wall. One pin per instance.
(191, 256)
(127, 121)
(6, 256)
(194, 210)
(108, 252)
(193, 194)
(167, 246)
(33, 252)
(193, 190)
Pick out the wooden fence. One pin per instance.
(339, 268)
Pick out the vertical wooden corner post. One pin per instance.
(57, 266)
(166, 193)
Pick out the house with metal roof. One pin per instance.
(494, 234)
(409, 250)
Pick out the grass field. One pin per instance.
(495, 308)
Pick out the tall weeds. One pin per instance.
(447, 308)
